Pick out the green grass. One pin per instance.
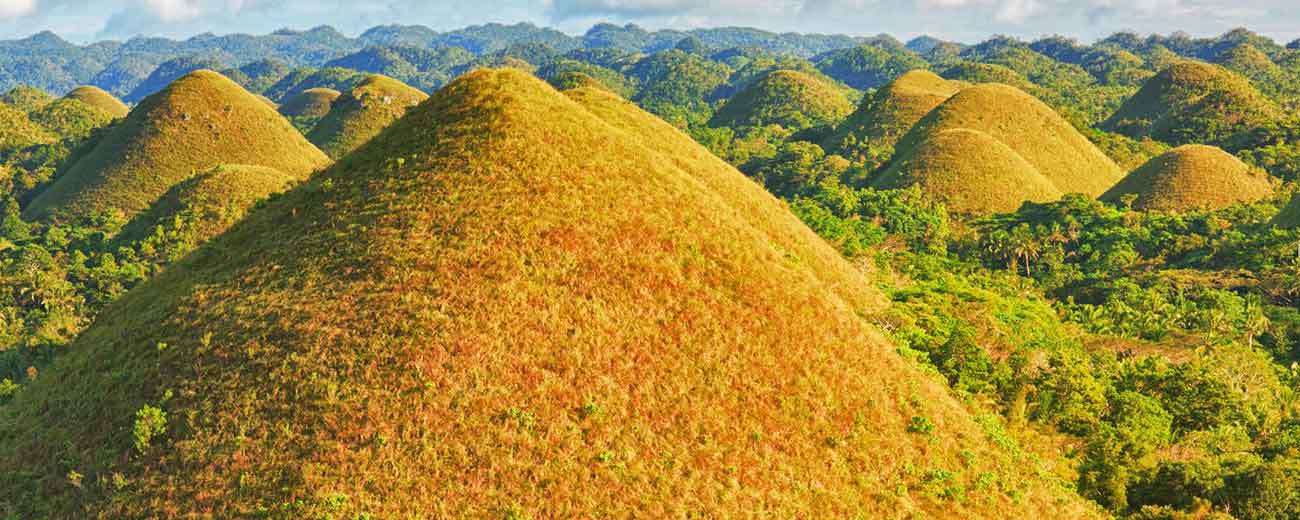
(363, 113)
(971, 172)
(887, 115)
(791, 99)
(98, 98)
(1289, 217)
(198, 122)
(474, 315)
(1029, 127)
(1191, 177)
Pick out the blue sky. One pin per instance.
(966, 20)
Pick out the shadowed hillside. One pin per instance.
(361, 114)
(70, 118)
(201, 120)
(311, 103)
(1191, 177)
(475, 315)
(207, 204)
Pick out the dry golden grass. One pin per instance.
(310, 103)
(1030, 128)
(787, 98)
(1192, 177)
(884, 117)
(361, 114)
(971, 172)
(508, 305)
(98, 98)
(198, 122)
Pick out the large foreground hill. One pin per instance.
(476, 315)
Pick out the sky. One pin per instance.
(961, 20)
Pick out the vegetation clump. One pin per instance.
(101, 99)
(25, 98)
(1191, 177)
(363, 113)
(18, 131)
(971, 172)
(787, 98)
(423, 328)
(198, 122)
(71, 119)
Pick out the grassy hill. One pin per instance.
(1029, 127)
(475, 315)
(207, 204)
(971, 172)
(27, 99)
(361, 114)
(197, 122)
(1191, 177)
(17, 130)
(1289, 217)
(311, 103)
(1193, 102)
(787, 98)
(70, 118)
(98, 98)
(884, 117)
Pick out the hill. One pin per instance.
(787, 98)
(1191, 102)
(98, 98)
(170, 71)
(1191, 177)
(17, 130)
(361, 114)
(197, 122)
(1029, 127)
(971, 172)
(455, 320)
(70, 118)
(887, 115)
(1289, 217)
(207, 204)
(26, 98)
(313, 103)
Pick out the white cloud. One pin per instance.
(174, 10)
(16, 8)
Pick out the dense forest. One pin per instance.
(1095, 247)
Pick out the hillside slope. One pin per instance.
(787, 98)
(1192, 102)
(359, 115)
(887, 115)
(475, 315)
(98, 98)
(201, 120)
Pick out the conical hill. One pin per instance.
(18, 131)
(359, 115)
(1190, 102)
(1191, 177)
(98, 98)
(506, 305)
(888, 114)
(788, 98)
(313, 103)
(1029, 127)
(198, 122)
(971, 172)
